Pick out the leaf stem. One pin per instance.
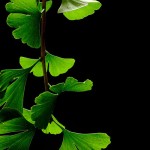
(43, 47)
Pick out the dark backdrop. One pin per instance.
(93, 42)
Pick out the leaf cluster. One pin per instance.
(18, 124)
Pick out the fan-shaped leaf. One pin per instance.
(78, 141)
(78, 9)
(57, 65)
(25, 17)
(14, 91)
(54, 127)
(8, 75)
(28, 62)
(20, 131)
(41, 113)
(72, 84)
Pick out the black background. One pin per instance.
(94, 42)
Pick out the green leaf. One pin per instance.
(57, 65)
(54, 127)
(20, 131)
(48, 5)
(8, 114)
(57, 122)
(72, 84)
(14, 125)
(78, 141)
(28, 62)
(78, 9)
(8, 75)
(41, 112)
(27, 115)
(25, 17)
(14, 94)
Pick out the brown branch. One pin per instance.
(43, 47)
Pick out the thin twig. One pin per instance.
(43, 47)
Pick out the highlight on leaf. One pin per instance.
(42, 111)
(56, 65)
(54, 127)
(25, 17)
(28, 62)
(27, 115)
(80, 141)
(72, 84)
(13, 82)
(18, 124)
(78, 9)
(16, 132)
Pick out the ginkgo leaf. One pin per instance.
(8, 114)
(48, 5)
(16, 132)
(41, 112)
(78, 9)
(72, 84)
(27, 115)
(28, 62)
(8, 75)
(25, 17)
(15, 84)
(54, 127)
(57, 65)
(80, 141)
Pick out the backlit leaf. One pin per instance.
(78, 9)
(72, 84)
(25, 17)
(16, 133)
(28, 62)
(54, 127)
(41, 112)
(27, 115)
(80, 141)
(57, 65)
(8, 75)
